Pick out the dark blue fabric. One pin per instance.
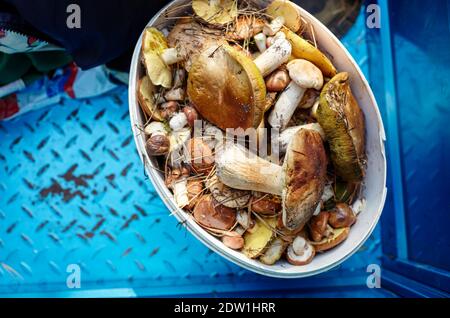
(109, 29)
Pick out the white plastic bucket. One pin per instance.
(374, 190)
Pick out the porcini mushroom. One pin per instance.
(211, 214)
(287, 10)
(304, 75)
(272, 28)
(300, 252)
(300, 181)
(343, 122)
(278, 80)
(342, 216)
(227, 89)
(153, 45)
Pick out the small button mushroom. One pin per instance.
(201, 156)
(278, 81)
(300, 181)
(233, 241)
(191, 115)
(318, 227)
(300, 252)
(304, 75)
(158, 143)
(342, 216)
(211, 214)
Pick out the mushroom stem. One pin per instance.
(261, 40)
(274, 27)
(304, 75)
(240, 169)
(286, 105)
(274, 56)
(171, 56)
(180, 193)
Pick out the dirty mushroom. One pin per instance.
(304, 75)
(300, 181)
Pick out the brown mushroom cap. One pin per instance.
(227, 88)
(191, 39)
(266, 204)
(342, 216)
(318, 227)
(146, 91)
(337, 237)
(210, 214)
(305, 170)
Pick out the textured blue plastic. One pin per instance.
(73, 191)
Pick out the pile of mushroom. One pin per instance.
(231, 66)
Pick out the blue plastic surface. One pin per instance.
(73, 191)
